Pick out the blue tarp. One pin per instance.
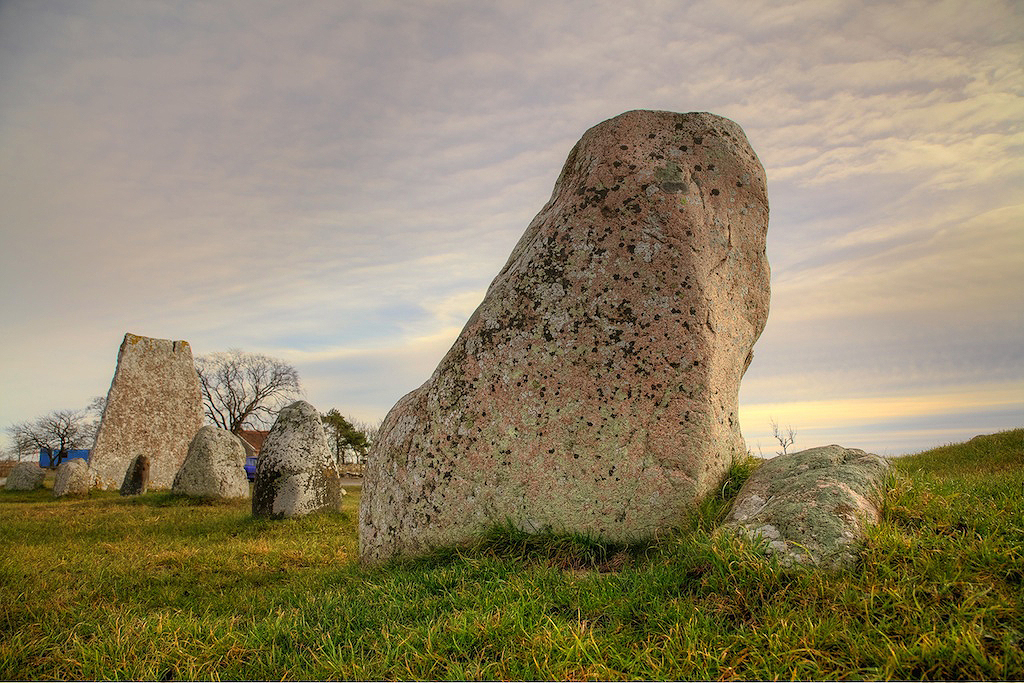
(44, 459)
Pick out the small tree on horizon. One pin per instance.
(785, 439)
(55, 435)
(344, 436)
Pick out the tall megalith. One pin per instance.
(594, 390)
(154, 407)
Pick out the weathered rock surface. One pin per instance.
(25, 476)
(595, 388)
(214, 467)
(74, 478)
(154, 406)
(296, 474)
(812, 507)
(136, 479)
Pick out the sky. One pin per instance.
(336, 183)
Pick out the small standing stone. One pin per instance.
(136, 479)
(26, 476)
(214, 467)
(812, 507)
(74, 478)
(296, 473)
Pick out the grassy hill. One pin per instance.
(156, 587)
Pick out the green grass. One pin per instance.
(158, 588)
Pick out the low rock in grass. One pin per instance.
(812, 507)
(74, 478)
(296, 473)
(214, 467)
(26, 476)
(136, 479)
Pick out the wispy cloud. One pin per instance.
(339, 183)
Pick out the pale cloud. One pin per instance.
(339, 183)
(855, 421)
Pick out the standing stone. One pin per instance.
(136, 479)
(154, 406)
(214, 467)
(812, 507)
(296, 473)
(74, 478)
(25, 476)
(594, 390)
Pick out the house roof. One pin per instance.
(252, 440)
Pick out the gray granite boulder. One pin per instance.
(812, 507)
(214, 467)
(25, 476)
(136, 479)
(594, 390)
(296, 474)
(74, 478)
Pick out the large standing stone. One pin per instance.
(74, 478)
(214, 468)
(25, 476)
(154, 406)
(136, 479)
(595, 388)
(296, 473)
(812, 507)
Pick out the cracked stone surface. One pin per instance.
(214, 467)
(594, 390)
(296, 474)
(154, 408)
(812, 507)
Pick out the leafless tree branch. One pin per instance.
(243, 389)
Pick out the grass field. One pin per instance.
(156, 587)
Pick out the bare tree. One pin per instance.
(785, 439)
(370, 430)
(243, 389)
(54, 434)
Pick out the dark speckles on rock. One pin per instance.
(296, 474)
(570, 382)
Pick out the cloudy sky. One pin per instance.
(336, 183)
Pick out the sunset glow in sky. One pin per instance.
(336, 184)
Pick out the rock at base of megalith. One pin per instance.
(214, 467)
(74, 478)
(154, 406)
(25, 476)
(812, 507)
(594, 390)
(136, 479)
(296, 474)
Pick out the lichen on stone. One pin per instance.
(812, 507)
(595, 388)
